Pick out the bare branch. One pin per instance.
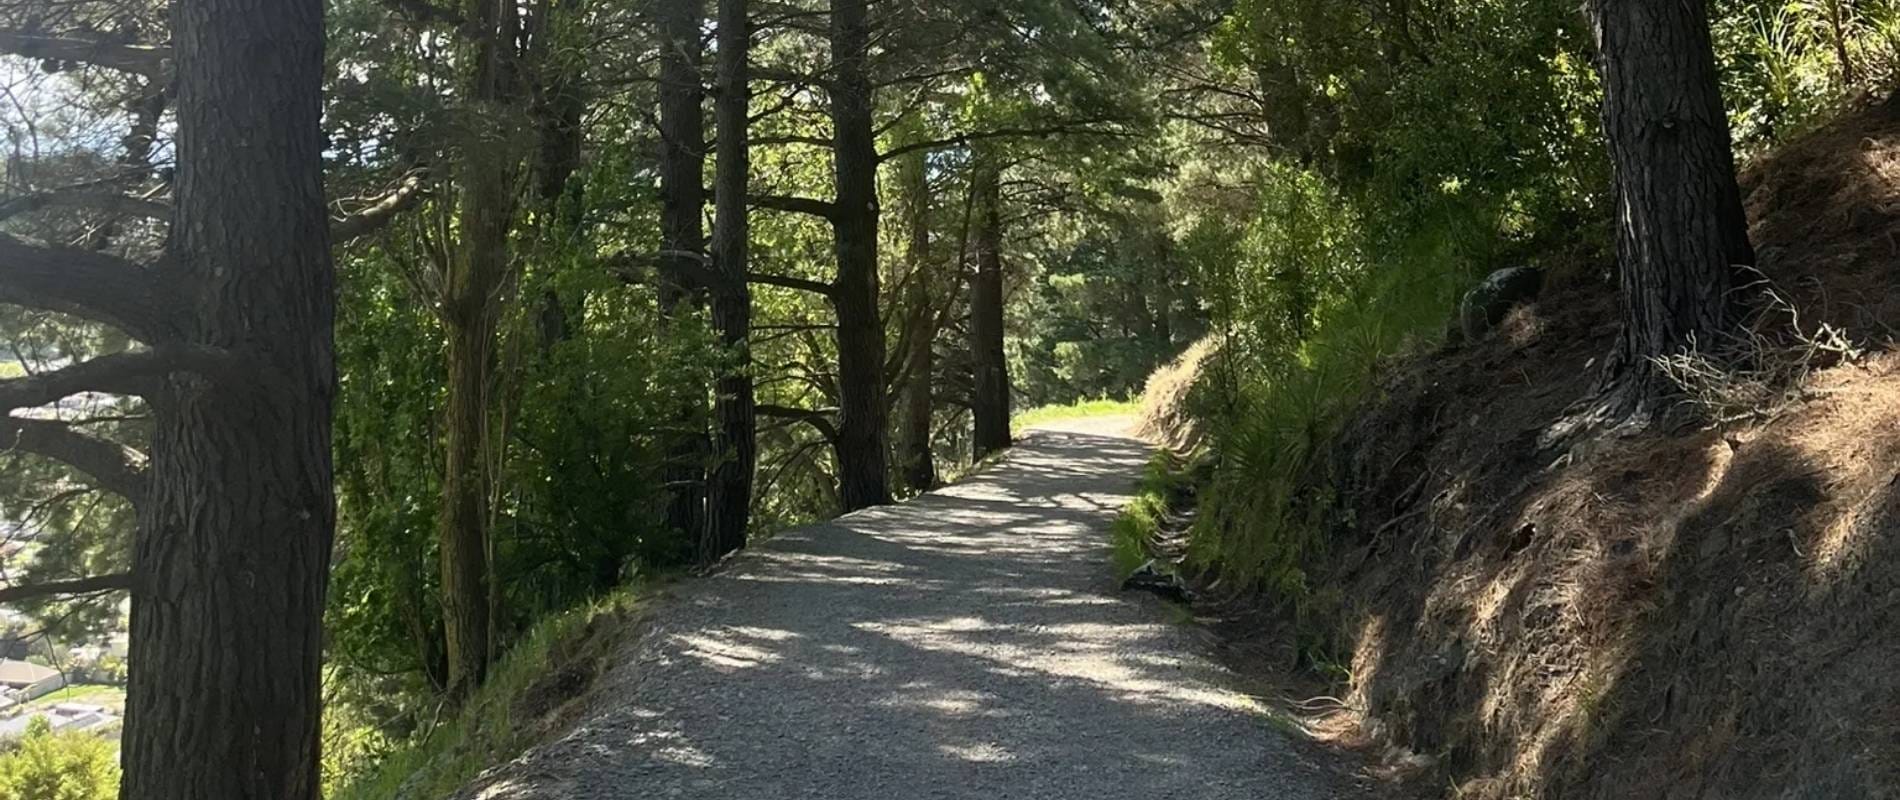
(821, 420)
(104, 583)
(87, 284)
(153, 62)
(797, 205)
(133, 373)
(373, 217)
(78, 197)
(111, 466)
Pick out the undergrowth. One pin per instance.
(1269, 503)
(555, 662)
(1146, 516)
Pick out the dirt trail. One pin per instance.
(968, 644)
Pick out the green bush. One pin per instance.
(46, 765)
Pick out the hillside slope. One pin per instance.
(1705, 613)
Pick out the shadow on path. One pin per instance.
(967, 644)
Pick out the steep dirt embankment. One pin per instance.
(1698, 613)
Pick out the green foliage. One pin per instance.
(1788, 64)
(47, 765)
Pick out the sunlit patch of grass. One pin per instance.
(1079, 410)
(1146, 516)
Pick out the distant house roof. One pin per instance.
(21, 673)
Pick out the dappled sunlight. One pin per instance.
(972, 638)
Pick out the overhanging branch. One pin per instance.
(111, 466)
(798, 205)
(86, 284)
(104, 583)
(108, 202)
(145, 60)
(820, 420)
(132, 373)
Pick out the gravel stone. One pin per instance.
(967, 644)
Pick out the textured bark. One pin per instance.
(916, 465)
(470, 316)
(233, 550)
(1681, 230)
(682, 234)
(862, 447)
(989, 401)
(735, 419)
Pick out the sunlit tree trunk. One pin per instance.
(233, 551)
(735, 446)
(1681, 229)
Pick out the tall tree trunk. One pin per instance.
(990, 398)
(470, 316)
(915, 461)
(729, 487)
(233, 552)
(682, 235)
(862, 445)
(1682, 230)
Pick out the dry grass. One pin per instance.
(1166, 415)
(1672, 614)
(1764, 367)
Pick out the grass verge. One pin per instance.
(1146, 516)
(555, 663)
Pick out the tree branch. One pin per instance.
(788, 282)
(135, 373)
(373, 217)
(797, 205)
(109, 202)
(821, 420)
(153, 62)
(111, 466)
(118, 582)
(88, 285)
(1076, 128)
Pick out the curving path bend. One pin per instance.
(967, 644)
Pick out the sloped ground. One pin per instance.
(1681, 614)
(968, 644)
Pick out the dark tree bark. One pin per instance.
(470, 316)
(916, 464)
(1682, 230)
(682, 235)
(233, 550)
(990, 368)
(735, 445)
(862, 447)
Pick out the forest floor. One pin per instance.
(969, 643)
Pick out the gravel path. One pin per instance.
(968, 644)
